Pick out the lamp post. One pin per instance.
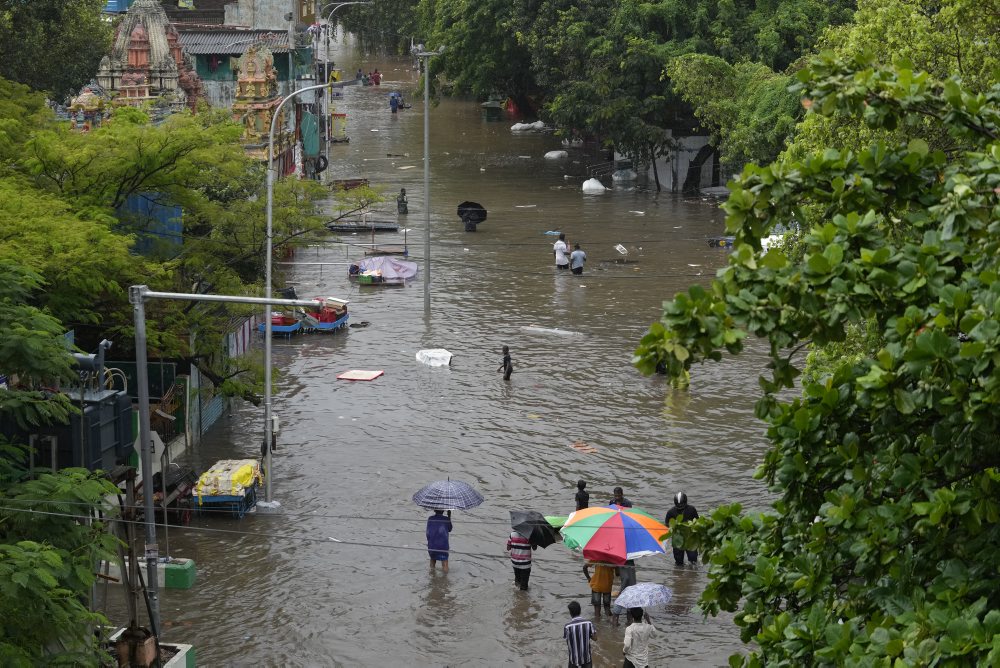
(326, 52)
(327, 121)
(426, 57)
(268, 425)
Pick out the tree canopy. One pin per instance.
(883, 543)
(46, 555)
(603, 68)
(52, 45)
(61, 216)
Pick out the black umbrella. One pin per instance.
(471, 213)
(533, 526)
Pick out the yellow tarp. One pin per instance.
(229, 477)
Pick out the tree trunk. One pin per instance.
(656, 173)
(692, 182)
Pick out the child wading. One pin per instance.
(506, 366)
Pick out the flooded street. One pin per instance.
(340, 576)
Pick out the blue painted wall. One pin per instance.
(115, 6)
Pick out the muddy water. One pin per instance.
(341, 576)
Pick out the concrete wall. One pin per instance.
(673, 168)
(269, 14)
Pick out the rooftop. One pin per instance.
(202, 39)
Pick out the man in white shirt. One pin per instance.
(637, 637)
(560, 249)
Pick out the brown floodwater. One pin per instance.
(340, 576)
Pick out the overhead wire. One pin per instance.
(329, 541)
(283, 513)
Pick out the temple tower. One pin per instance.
(146, 44)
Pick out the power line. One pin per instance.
(381, 518)
(257, 534)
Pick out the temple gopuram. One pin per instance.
(147, 62)
(257, 98)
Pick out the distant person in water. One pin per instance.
(683, 512)
(507, 366)
(360, 74)
(619, 499)
(438, 528)
(401, 202)
(582, 495)
(576, 259)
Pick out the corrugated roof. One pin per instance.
(229, 42)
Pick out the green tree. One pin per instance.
(52, 45)
(483, 55)
(198, 164)
(882, 547)
(748, 107)
(943, 38)
(46, 554)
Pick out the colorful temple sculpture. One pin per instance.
(147, 61)
(257, 99)
(88, 109)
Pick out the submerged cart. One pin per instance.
(229, 486)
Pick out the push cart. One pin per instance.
(229, 486)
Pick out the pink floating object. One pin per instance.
(360, 374)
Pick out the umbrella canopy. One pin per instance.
(448, 495)
(533, 526)
(614, 534)
(644, 595)
(471, 212)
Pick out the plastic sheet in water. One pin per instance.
(434, 357)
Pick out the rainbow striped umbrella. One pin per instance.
(613, 535)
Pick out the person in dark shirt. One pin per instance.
(686, 513)
(506, 366)
(619, 499)
(438, 528)
(582, 495)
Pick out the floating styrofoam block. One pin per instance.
(556, 155)
(593, 186)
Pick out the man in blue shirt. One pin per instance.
(438, 528)
(576, 259)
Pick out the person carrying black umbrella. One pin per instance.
(520, 558)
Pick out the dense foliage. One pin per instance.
(601, 68)
(46, 557)
(52, 45)
(747, 106)
(942, 37)
(884, 543)
(61, 194)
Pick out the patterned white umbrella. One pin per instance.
(644, 595)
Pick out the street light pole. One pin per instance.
(268, 426)
(327, 120)
(426, 57)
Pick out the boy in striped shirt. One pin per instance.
(520, 558)
(578, 633)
